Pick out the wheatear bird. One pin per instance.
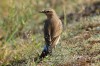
(52, 31)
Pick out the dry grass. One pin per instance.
(21, 36)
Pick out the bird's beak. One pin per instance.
(42, 11)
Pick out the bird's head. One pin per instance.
(49, 12)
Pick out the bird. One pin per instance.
(52, 31)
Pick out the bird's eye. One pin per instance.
(47, 11)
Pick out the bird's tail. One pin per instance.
(47, 50)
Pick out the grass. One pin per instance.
(22, 36)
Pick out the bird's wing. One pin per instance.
(56, 31)
(47, 33)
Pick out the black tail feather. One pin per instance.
(46, 52)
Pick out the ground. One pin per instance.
(21, 35)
